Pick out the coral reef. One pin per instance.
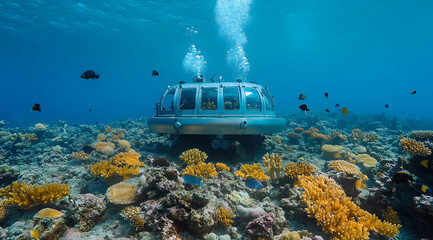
(358, 135)
(193, 156)
(273, 163)
(332, 152)
(122, 193)
(201, 170)
(48, 213)
(123, 164)
(87, 210)
(104, 147)
(414, 147)
(4, 204)
(255, 171)
(293, 170)
(366, 160)
(260, 228)
(222, 166)
(225, 217)
(423, 135)
(28, 195)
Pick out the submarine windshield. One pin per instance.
(253, 99)
(167, 101)
(270, 106)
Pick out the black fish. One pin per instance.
(326, 94)
(327, 110)
(89, 74)
(302, 97)
(88, 149)
(412, 93)
(304, 107)
(155, 73)
(402, 177)
(386, 105)
(36, 107)
(337, 105)
(90, 110)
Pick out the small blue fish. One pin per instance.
(88, 149)
(423, 188)
(193, 180)
(253, 183)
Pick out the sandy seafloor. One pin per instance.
(166, 207)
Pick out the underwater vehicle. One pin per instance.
(216, 108)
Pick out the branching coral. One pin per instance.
(104, 147)
(255, 171)
(318, 136)
(201, 170)
(28, 195)
(293, 170)
(273, 163)
(337, 214)
(129, 211)
(122, 193)
(130, 158)
(336, 137)
(391, 216)
(81, 155)
(358, 135)
(193, 156)
(123, 164)
(4, 204)
(310, 131)
(422, 135)
(222, 166)
(414, 147)
(225, 217)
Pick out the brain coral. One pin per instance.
(122, 193)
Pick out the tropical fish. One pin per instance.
(427, 164)
(412, 93)
(304, 107)
(326, 94)
(33, 234)
(337, 105)
(344, 111)
(155, 73)
(402, 177)
(327, 110)
(88, 149)
(193, 180)
(302, 96)
(36, 107)
(386, 105)
(89, 74)
(423, 188)
(252, 183)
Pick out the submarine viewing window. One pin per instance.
(167, 101)
(231, 98)
(253, 100)
(270, 105)
(187, 99)
(209, 98)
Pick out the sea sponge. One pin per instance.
(104, 147)
(28, 195)
(273, 163)
(422, 135)
(337, 214)
(48, 213)
(225, 217)
(81, 155)
(414, 147)
(193, 156)
(130, 158)
(129, 211)
(366, 159)
(222, 166)
(4, 204)
(254, 171)
(201, 170)
(293, 170)
(122, 193)
(331, 152)
(124, 143)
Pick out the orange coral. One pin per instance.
(337, 214)
(318, 136)
(225, 217)
(28, 195)
(201, 170)
(255, 171)
(414, 147)
(310, 131)
(294, 170)
(107, 169)
(222, 166)
(130, 158)
(107, 130)
(298, 129)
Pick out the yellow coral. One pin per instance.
(4, 204)
(28, 195)
(225, 217)
(48, 213)
(331, 152)
(273, 163)
(222, 166)
(310, 131)
(318, 136)
(254, 171)
(294, 170)
(414, 147)
(106, 169)
(130, 158)
(122, 193)
(201, 170)
(124, 143)
(366, 159)
(358, 135)
(104, 147)
(347, 167)
(80, 155)
(337, 214)
(193, 156)
(101, 137)
(391, 216)
(129, 211)
(137, 222)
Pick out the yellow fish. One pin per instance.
(344, 111)
(427, 164)
(33, 234)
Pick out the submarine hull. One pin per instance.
(216, 125)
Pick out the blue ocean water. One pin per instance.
(365, 54)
